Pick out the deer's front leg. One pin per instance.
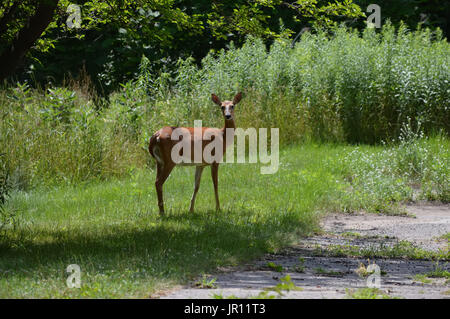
(215, 177)
(198, 176)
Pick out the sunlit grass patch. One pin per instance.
(113, 231)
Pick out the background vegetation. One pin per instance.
(363, 117)
(350, 87)
(114, 34)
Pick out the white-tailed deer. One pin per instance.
(162, 143)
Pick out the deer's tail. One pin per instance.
(154, 140)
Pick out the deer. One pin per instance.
(161, 146)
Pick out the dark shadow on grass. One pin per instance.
(177, 247)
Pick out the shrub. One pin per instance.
(350, 86)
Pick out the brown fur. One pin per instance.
(161, 144)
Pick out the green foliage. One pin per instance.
(367, 293)
(439, 271)
(275, 267)
(357, 88)
(206, 283)
(116, 33)
(59, 136)
(415, 168)
(310, 92)
(402, 249)
(4, 179)
(422, 278)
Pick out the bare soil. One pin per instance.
(324, 276)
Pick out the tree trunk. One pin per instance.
(26, 37)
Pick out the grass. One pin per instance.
(285, 285)
(275, 267)
(328, 273)
(422, 278)
(445, 237)
(437, 272)
(345, 87)
(206, 283)
(401, 250)
(367, 293)
(112, 230)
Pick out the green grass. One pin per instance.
(367, 293)
(437, 272)
(328, 273)
(285, 285)
(402, 250)
(445, 237)
(112, 230)
(422, 278)
(275, 267)
(206, 283)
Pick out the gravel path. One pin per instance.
(323, 276)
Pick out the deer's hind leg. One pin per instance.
(162, 172)
(198, 176)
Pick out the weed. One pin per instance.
(275, 267)
(402, 249)
(329, 273)
(367, 293)
(422, 278)
(206, 283)
(439, 272)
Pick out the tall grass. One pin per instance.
(347, 87)
(57, 136)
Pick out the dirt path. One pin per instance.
(322, 267)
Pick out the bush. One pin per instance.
(414, 167)
(353, 87)
(347, 87)
(58, 136)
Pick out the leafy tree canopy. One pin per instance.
(113, 35)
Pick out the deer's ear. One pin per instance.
(216, 99)
(237, 98)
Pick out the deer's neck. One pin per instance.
(229, 124)
(228, 135)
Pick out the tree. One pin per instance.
(429, 13)
(114, 34)
(27, 36)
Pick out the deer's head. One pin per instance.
(227, 106)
